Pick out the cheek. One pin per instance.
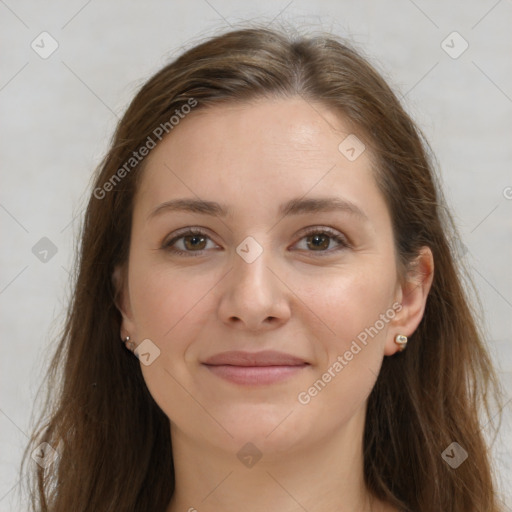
(350, 302)
(168, 303)
(169, 308)
(349, 357)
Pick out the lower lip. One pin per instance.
(255, 375)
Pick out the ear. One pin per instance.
(122, 302)
(413, 297)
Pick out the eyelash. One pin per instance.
(167, 245)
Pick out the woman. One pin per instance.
(267, 313)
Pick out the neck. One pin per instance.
(320, 477)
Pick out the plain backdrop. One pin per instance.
(59, 110)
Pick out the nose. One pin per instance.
(254, 296)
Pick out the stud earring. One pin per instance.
(129, 344)
(401, 340)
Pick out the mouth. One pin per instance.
(252, 369)
(255, 375)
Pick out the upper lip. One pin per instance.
(264, 358)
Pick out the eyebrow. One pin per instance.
(294, 206)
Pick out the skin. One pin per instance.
(295, 297)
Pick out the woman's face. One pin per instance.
(268, 274)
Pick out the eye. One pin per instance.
(194, 241)
(319, 239)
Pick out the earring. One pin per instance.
(128, 344)
(401, 340)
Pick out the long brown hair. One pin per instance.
(113, 440)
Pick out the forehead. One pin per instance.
(260, 153)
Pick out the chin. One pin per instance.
(270, 431)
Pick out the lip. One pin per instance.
(255, 368)
(263, 358)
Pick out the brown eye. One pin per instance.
(194, 242)
(319, 241)
(188, 242)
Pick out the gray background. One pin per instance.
(58, 114)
